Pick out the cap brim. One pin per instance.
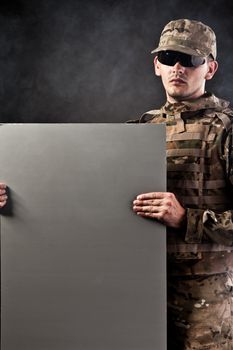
(180, 48)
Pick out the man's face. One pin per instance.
(184, 83)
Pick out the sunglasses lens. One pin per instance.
(170, 58)
(197, 61)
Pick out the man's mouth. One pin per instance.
(177, 81)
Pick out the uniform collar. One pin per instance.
(207, 101)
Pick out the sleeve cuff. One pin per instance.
(194, 230)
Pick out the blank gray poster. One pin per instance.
(80, 270)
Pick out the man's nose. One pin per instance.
(178, 68)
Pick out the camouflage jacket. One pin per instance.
(200, 173)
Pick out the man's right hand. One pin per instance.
(3, 196)
(163, 206)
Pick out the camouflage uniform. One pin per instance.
(200, 173)
(200, 256)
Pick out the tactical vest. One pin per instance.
(195, 171)
(197, 175)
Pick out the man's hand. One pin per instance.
(162, 206)
(3, 196)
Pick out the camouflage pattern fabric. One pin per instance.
(199, 165)
(200, 256)
(188, 36)
(200, 312)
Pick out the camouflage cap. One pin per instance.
(188, 36)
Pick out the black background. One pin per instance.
(90, 61)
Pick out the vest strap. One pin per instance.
(192, 184)
(188, 152)
(194, 200)
(187, 136)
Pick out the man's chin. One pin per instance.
(179, 93)
(177, 97)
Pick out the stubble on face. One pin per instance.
(184, 86)
(176, 86)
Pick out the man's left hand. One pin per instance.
(162, 206)
(3, 195)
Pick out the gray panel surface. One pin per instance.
(81, 271)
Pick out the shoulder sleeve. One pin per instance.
(145, 117)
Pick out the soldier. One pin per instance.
(198, 207)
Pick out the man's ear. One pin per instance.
(212, 68)
(157, 66)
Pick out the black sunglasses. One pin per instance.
(170, 58)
